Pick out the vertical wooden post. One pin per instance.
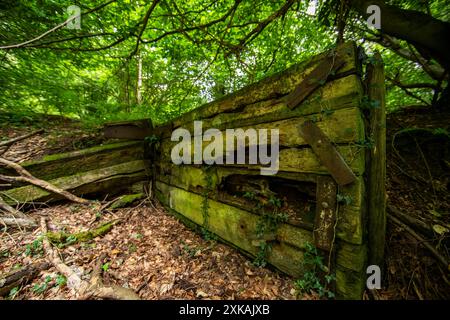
(325, 213)
(377, 166)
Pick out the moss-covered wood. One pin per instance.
(292, 159)
(239, 227)
(126, 200)
(62, 238)
(192, 178)
(65, 164)
(377, 167)
(339, 94)
(273, 87)
(99, 180)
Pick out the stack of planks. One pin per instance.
(329, 190)
(100, 170)
(229, 200)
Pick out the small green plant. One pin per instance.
(368, 143)
(261, 255)
(61, 280)
(344, 199)
(190, 251)
(17, 266)
(132, 248)
(40, 288)
(75, 208)
(105, 267)
(249, 195)
(137, 236)
(312, 281)
(35, 248)
(4, 254)
(151, 139)
(268, 223)
(70, 240)
(13, 293)
(208, 235)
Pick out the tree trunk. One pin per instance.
(417, 28)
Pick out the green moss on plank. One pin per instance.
(83, 152)
(33, 193)
(126, 200)
(63, 238)
(350, 256)
(60, 165)
(350, 285)
(239, 227)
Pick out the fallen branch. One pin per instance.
(19, 222)
(414, 223)
(20, 277)
(83, 289)
(98, 290)
(74, 282)
(27, 177)
(14, 217)
(432, 249)
(6, 208)
(25, 136)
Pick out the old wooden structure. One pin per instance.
(329, 190)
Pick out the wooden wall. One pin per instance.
(216, 197)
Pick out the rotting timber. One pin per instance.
(329, 190)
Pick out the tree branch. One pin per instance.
(27, 177)
(59, 26)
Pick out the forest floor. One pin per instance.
(150, 251)
(154, 254)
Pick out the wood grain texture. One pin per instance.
(327, 153)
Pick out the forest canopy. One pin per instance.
(135, 59)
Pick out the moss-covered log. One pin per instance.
(126, 200)
(63, 238)
(66, 164)
(103, 180)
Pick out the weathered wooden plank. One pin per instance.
(132, 130)
(350, 284)
(193, 178)
(69, 163)
(327, 153)
(292, 159)
(272, 87)
(325, 213)
(339, 94)
(239, 227)
(350, 256)
(377, 164)
(341, 126)
(314, 79)
(303, 218)
(81, 183)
